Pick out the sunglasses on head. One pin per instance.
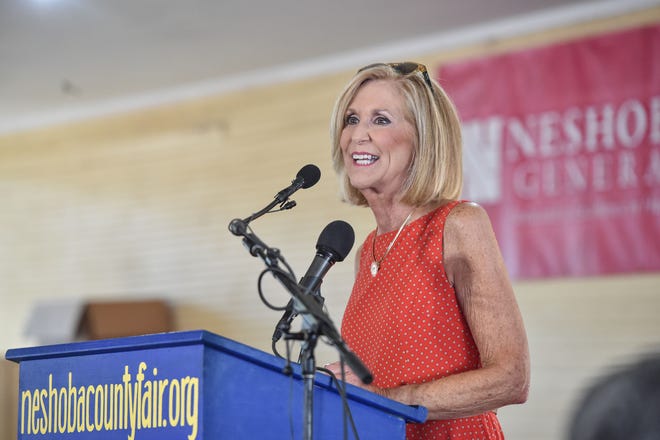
(405, 68)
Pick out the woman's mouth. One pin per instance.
(363, 159)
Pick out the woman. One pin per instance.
(432, 313)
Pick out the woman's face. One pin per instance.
(377, 141)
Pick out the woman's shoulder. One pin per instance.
(457, 212)
(466, 210)
(467, 221)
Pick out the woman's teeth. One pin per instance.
(364, 159)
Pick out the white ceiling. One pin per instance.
(61, 59)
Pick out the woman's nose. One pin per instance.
(360, 133)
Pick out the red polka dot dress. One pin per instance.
(405, 323)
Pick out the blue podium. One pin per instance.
(185, 386)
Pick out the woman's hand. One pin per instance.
(353, 379)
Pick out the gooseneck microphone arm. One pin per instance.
(308, 176)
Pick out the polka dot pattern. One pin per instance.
(406, 325)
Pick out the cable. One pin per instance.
(341, 389)
(260, 289)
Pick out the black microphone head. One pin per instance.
(310, 174)
(337, 238)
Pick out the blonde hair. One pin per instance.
(436, 173)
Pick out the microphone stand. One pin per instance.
(308, 365)
(316, 322)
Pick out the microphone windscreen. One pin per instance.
(310, 174)
(337, 238)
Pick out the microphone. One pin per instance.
(306, 177)
(334, 244)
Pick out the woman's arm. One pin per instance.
(475, 267)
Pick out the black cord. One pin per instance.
(273, 347)
(341, 389)
(343, 378)
(274, 271)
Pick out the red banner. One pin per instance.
(562, 148)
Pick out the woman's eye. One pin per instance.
(381, 120)
(351, 120)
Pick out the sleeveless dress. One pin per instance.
(406, 325)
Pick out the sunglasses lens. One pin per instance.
(407, 68)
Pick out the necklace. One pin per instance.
(375, 265)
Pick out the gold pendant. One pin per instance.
(374, 269)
